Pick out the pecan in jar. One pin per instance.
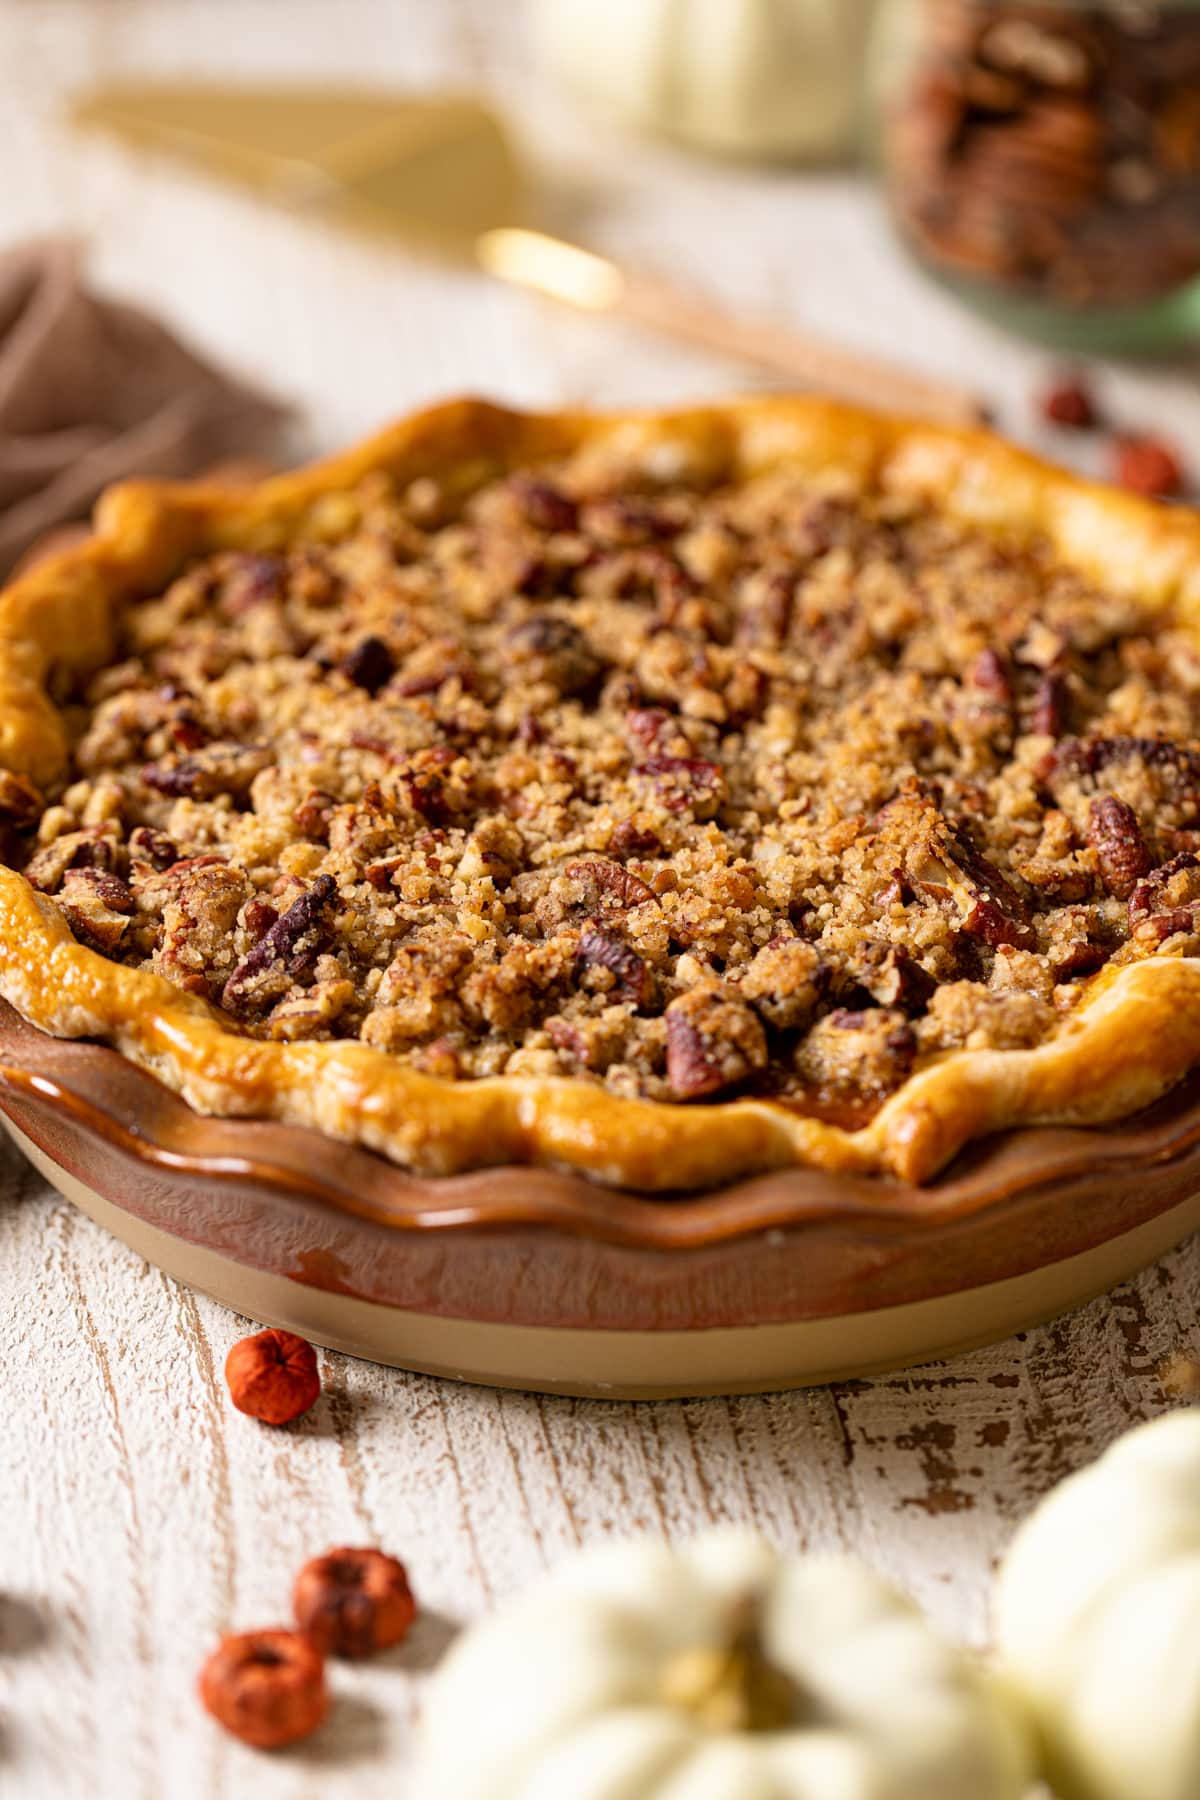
(353, 1602)
(273, 1376)
(1049, 150)
(265, 1687)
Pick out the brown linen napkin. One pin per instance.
(93, 390)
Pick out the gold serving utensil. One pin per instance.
(439, 171)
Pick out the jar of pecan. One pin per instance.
(1045, 156)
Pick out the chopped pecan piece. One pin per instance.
(893, 977)
(652, 726)
(1079, 958)
(786, 983)
(258, 916)
(200, 899)
(765, 607)
(685, 784)
(897, 891)
(291, 946)
(965, 1014)
(940, 859)
(589, 890)
(616, 885)
(437, 783)
(314, 813)
(154, 847)
(628, 519)
(1085, 758)
(222, 768)
(312, 1013)
(544, 505)
(1159, 927)
(106, 886)
(1048, 714)
(991, 675)
(185, 731)
(869, 1052)
(714, 1040)
(20, 802)
(641, 574)
(601, 948)
(431, 666)
(1174, 883)
(633, 838)
(97, 905)
(592, 1042)
(249, 579)
(89, 848)
(379, 874)
(550, 648)
(1057, 882)
(370, 665)
(1116, 836)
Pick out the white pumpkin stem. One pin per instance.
(734, 1686)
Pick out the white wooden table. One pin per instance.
(139, 1515)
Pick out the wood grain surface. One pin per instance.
(139, 1515)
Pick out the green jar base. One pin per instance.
(1162, 327)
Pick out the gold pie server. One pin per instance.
(439, 172)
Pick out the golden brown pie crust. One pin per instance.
(1133, 1034)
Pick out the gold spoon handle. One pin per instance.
(551, 266)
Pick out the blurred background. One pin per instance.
(990, 195)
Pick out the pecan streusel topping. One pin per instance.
(776, 788)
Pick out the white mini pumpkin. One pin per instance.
(776, 78)
(721, 1671)
(1097, 1612)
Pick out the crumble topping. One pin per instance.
(777, 788)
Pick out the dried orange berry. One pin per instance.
(1147, 465)
(266, 1687)
(273, 1376)
(353, 1602)
(1070, 402)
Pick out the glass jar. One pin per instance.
(1045, 158)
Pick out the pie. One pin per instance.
(665, 797)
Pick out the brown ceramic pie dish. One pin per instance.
(536, 1279)
(645, 904)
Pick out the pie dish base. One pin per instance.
(526, 1277)
(612, 1364)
